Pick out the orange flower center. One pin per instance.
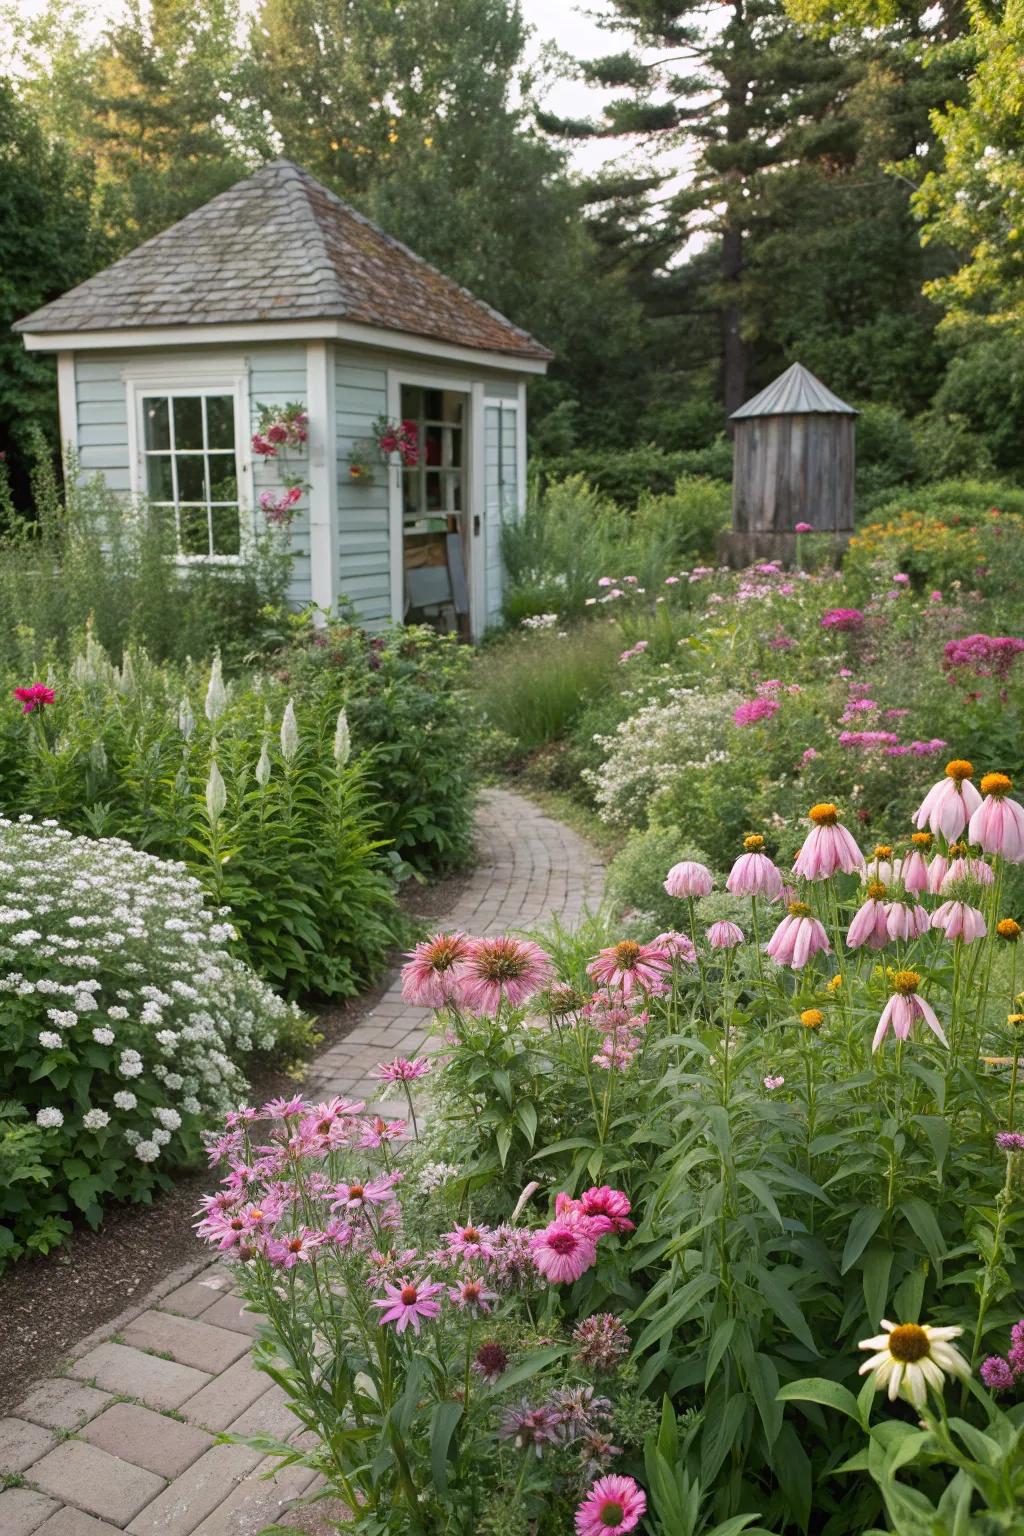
(798, 909)
(409, 1294)
(905, 982)
(908, 1343)
(824, 814)
(996, 784)
(921, 839)
(877, 891)
(959, 769)
(957, 850)
(1007, 928)
(470, 1235)
(883, 851)
(626, 954)
(754, 843)
(355, 1191)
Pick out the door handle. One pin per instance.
(476, 523)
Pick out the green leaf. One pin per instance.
(818, 1389)
(876, 1270)
(760, 1190)
(526, 1114)
(862, 1229)
(922, 1218)
(531, 1365)
(781, 1302)
(442, 1427)
(681, 1306)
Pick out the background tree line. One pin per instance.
(852, 191)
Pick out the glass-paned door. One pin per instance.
(435, 542)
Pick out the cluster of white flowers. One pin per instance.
(686, 730)
(434, 1175)
(154, 963)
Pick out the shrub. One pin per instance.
(126, 1022)
(626, 475)
(535, 685)
(556, 551)
(635, 882)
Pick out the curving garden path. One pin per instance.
(126, 1439)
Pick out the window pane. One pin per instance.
(157, 428)
(226, 530)
(195, 531)
(452, 490)
(223, 480)
(191, 476)
(188, 422)
(411, 490)
(220, 421)
(433, 480)
(159, 486)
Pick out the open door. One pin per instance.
(436, 537)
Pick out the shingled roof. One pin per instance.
(280, 246)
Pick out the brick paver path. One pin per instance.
(127, 1440)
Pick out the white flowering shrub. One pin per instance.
(125, 1021)
(685, 731)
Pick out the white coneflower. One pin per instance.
(186, 719)
(263, 766)
(289, 732)
(911, 1357)
(216, 693)
(342, 740)
(216, 794)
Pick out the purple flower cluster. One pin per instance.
(842, 619)
(1000, 1374)
(982, 655)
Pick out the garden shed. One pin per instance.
(276, 358)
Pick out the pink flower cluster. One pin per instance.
(634, 650)
(567, 1246)
(753, 711)
(400, 437)
(843, 619)
(280, 507)
(981, 655)
(288, 428)
(1000, 1374)
(451, 970)
(35, 697)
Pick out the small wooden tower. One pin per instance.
(793, 463)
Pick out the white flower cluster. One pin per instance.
(433, 1175)
(686, 731)
(102, 935)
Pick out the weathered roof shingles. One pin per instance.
(280, 246)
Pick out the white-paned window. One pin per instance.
(190, 463)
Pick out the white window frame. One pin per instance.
(192, 377)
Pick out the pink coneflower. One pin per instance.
(408, 1302)
(828, 847)
(564, 1250)
(375, 1131)
(432, 970)
(531, 1428)
(870, 922)
(490, 1361)
(914, 869)
(470, 1242)
(798, 938)
(724, 935)
(614, 1506)
(679, 945)
(958, 920)
(997, 825)
(949, 804)
(36, 696)
(502, 968)
(296, 1248)
(608, 1207)
(906, 920)
(904, 1008)
(689, 879)
(627, 965)
(401, 1070)
(937, 871)
(358, 1195)
(602, 1342)
(471, 1296)
(974, 871)
(282, 1108)
(753, 873)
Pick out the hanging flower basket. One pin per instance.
(280, 429)
(362, 456)
(401, 437)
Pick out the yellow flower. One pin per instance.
(911, 1357)
(1008, 929)
(834, 984)
(996, 784)
(823, 814)
(812, 1018)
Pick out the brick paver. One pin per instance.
(143, 1410)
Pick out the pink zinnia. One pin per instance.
(724, 935)
(432, 970)
(997, 825)
(614, 1506)
(513, 969)
(904, 1008)
(564, 1250)
(828, 847)
(36, 696)
(906, 920)
(628, 964)
(958, 920)
(798, 938)
(689, 879)
(947, 806)
(753, 873)
(869, 926)
(401, 1070)
(407, 1303)
(677, 944)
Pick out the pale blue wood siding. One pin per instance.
(277, 377)
(102, 420)
(501, 499)
(364, 559)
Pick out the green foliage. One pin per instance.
(536, 685)
(625, 475)
(636, 876)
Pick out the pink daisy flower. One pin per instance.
(401, 1070)
(502, 968)
(828, 848)
(958, 920)
(614, 1506)
(627, 965)
(937, 871)
(357, 1196)
(470, 1242)
(724, 935)
(679, 945)
(432, 970)
(471, 1296)
(914, 872)
(689, 879)
(870, 923)
(753, 873)
(298, 1248)
(375, 1131)
(960, 869)
(408, 1302)
(906, 920)
(903, 1010)
(949, 804)
(798, 938)
(997, 825)
(564, 1250)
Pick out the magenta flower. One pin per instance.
(627, 965)
(36, 696)
(947, 806)
(358, 1196)
(752, 711)
(958, 920)
(676, 944)
(607, 1209)
(903, 1010)
(401, 1070)
(724, 935)
(408, 1302)
(689, 879)
(828, 847)
(531, 1428)
(613, 1507)
(798, 938)
(842, 619)
(997, 825)
(564, 1250)
(490, 1361)
(1010, 1141)
(869, 926)
(906, 920)
(754, 873)
(997, 1374)
(513, 969)
(471, 1296)
(470, 1242)
(803, 528)
(297, 1248)
(432, 970)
